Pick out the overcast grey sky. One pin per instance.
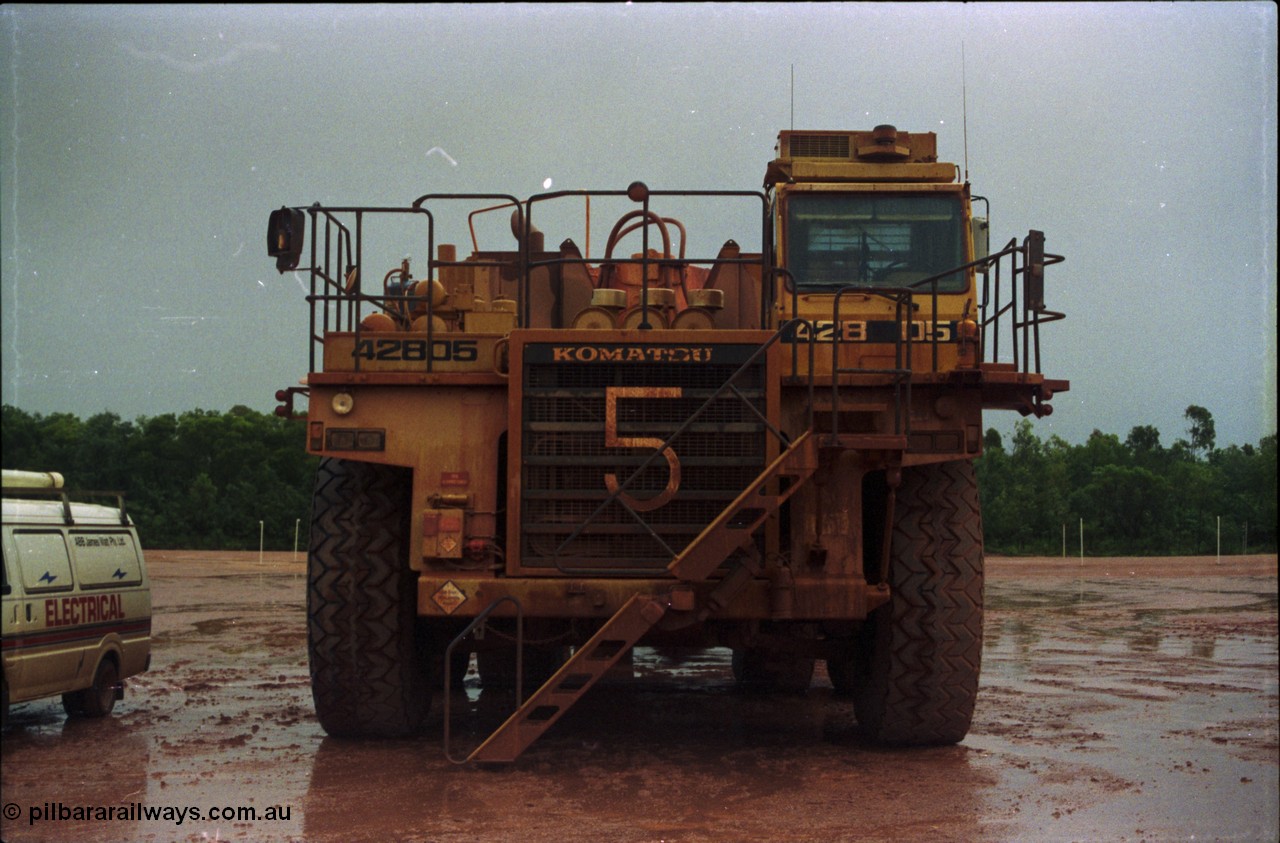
(143, 147)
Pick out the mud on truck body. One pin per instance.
(547, 457)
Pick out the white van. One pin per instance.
(76, 598)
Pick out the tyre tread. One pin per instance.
(918, 677)
(367, 680)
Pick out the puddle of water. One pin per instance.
(1174, 705)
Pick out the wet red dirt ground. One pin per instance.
(1122, 699)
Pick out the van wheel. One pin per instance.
(368, 674)
(99, 699)
(917, 663)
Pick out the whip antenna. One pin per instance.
(964, 110)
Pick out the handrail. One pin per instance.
(337, 301)
(993, 310)
(904, 302)
(448, 663)
(641, 194)
(1026, 328)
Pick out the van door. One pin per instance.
(49, 649)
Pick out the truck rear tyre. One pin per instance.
(916, 665)
(99, 699)
(368, 674)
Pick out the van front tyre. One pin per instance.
(368, 676)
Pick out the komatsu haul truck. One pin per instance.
(672, 440)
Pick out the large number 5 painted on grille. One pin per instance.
(613, 440)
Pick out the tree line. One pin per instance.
(201, 480)
(1133, 497)
(204, 480)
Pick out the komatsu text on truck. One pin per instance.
(546, 456)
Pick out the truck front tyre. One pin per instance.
(368, 674)
(916, 665)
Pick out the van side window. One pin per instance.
(43, 561)
(105, 559)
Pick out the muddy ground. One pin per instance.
(1122, 699)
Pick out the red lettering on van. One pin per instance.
(90, 608)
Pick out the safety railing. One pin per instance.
(1001, 313)
(339, 293)
(1004, 313)
(475, 624)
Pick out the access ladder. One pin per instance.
(731, 531)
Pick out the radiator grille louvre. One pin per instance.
(819, 146)
(565, 458)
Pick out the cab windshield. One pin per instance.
(836, 240)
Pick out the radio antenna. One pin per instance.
(793, 96)
(964, 110)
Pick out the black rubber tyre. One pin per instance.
(99, 699)
(368, 671)
(759, 671)
(916, 671)
(72, 705)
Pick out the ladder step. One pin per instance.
(591, 661)
(733, 528)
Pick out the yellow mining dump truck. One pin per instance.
(766, 450)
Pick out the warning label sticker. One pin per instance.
(449, 598)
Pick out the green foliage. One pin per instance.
(1201, 431)
(202, 480)
(1134, 497)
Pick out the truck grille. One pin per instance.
(565, 433)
